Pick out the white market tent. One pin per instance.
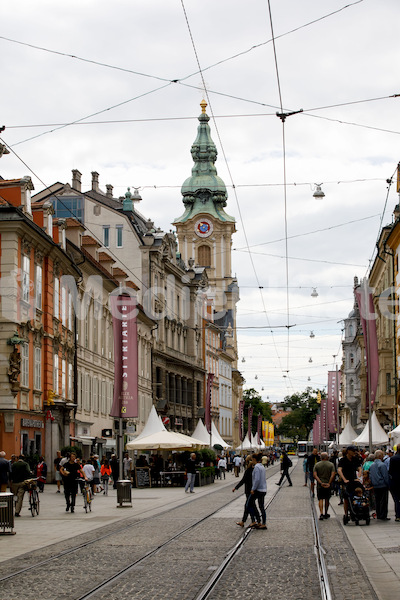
(156, 437)
(245, 445)
(202, 434)
(347, 436)
(215, 435)
(394, 435)
(379, 435)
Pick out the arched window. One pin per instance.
(204, 256)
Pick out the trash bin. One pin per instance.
(6, 513)
(124, 492)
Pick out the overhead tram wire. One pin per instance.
(230, 175)
(93, 114)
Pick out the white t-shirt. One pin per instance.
(237, 461)
(222, 463)
(88, 470)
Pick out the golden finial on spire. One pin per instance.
(203, 105)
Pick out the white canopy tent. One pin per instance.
(394, 435)
(347, 436)
(245, 445)
(156, 437)
(202, 434)
(379, 435)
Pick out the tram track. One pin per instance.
(82, 551)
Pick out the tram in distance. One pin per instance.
(304, 447)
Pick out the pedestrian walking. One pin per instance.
(285, 466)
(222, 466)
(394, 474)
(70, 472)
(247, 481)
(19, 472)
(237, 461)
(5, 470)
(348, 471)
(257, 494)
(105, 473)
(324, 474)
(190, 473)
(379, 476)
(41, 473)
(311, 462)
(114, 464)
(127, 466)
(57, 473)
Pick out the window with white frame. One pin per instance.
(95, 394)
(25, 365)
(63, 305)
(55, 373)
(56, 298)
(38, 369)
(69, 311)
(63, 377)
(25, 278)
(38, 287)
(70, 381)
(119, 240)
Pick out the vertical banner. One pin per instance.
(259, 423)
(124, 314)
(368, 323)
(210, 379)
(241, 420)
(316, 431)
(332, 401)
(323, 421)
(249, 420)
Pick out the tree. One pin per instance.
(303, 408)
(252, 398)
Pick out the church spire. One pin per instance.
(204, 191)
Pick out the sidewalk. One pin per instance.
(377, 547)
(54, 524)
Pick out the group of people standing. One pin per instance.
(375, 474)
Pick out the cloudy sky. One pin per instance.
(115, 87)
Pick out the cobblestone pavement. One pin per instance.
(276, 564)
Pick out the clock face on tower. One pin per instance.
(203, 228)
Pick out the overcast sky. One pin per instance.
(340, 68)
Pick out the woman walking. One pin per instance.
(247, 482)
(105, 473)
(41, 473)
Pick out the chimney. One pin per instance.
(95, 181)
(109, 192)
(76, 180)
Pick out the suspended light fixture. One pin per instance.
(243, 359)
(262, 389)
(256, 377)
(312, 334)
(308, 378)
(314, 293)
(310, 359)
(318, 194)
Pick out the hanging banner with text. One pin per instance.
(241, 420)
(124, 314)
(210, 379)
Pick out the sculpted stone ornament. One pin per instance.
(14, 369)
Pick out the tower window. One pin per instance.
(204, 254)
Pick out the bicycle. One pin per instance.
(34, 502)
(87, 494)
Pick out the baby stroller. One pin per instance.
(358, 504)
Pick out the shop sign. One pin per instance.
(32, 423)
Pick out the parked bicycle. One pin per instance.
(87, 494)
(34, 502)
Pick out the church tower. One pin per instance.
(205, 230)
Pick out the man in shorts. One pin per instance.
(324, 474)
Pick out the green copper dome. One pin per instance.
(204, 191)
